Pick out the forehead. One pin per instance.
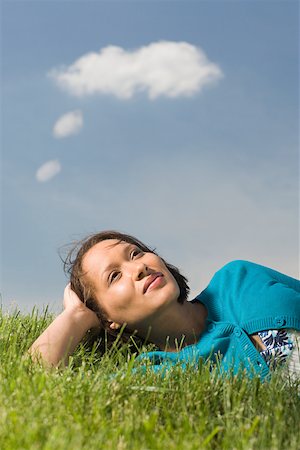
(101, 252)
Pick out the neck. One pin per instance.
(179, 327)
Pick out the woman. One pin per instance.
(248, 316)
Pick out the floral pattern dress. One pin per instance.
(280, 344)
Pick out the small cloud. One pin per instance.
(68, 124)
(165, 68)
(48, 171)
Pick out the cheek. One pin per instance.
(118, 298)
(121, 294)
(174, 288)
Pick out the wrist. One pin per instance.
(82, 318)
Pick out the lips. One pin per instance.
(150, 280)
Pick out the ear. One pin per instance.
(114, 326)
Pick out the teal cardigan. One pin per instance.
(241, 299)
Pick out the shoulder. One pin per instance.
(232, 275)
(240, 266)
(240, 273)
(252, 275)
(243, 267)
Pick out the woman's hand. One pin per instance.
(54, 346)
(73, 303)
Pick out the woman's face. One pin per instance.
(130, 286)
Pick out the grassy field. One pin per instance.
(85, 407)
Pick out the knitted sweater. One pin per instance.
(241, 299)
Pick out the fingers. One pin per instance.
(67, 289)
(69, 292)
(71, 299)
(73, 303)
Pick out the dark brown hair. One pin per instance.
(85, 289)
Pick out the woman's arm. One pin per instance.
(59, 340)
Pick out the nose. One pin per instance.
(138, 270)
(142, 271)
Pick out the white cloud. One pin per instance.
(165, 68)
(48, 170)
(68, 124)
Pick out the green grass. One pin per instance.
(85, 407)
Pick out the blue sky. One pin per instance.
(206, 171)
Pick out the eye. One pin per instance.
(135, 252)
(113, 276)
